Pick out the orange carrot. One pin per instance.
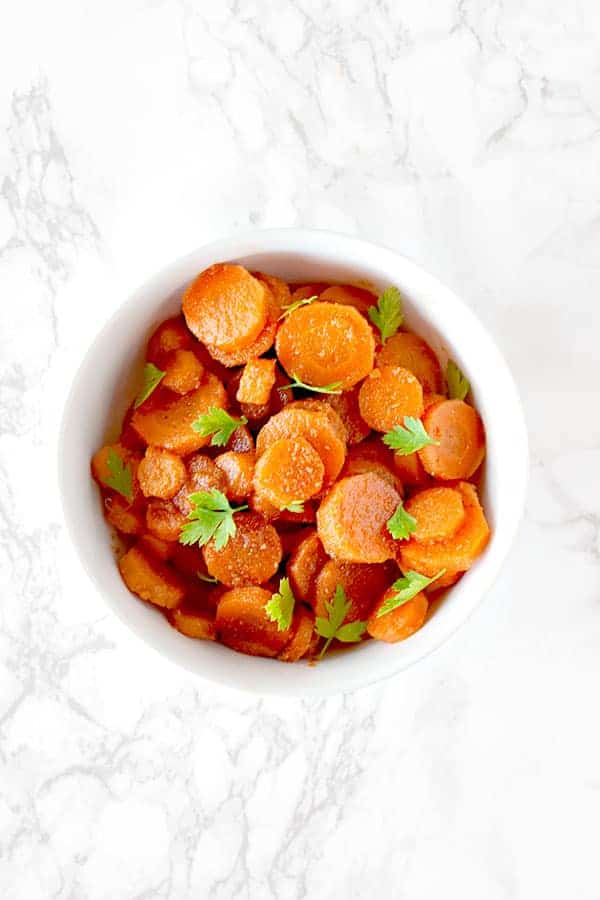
(194, 624)
(202, 475)
(257, 379)
(161, 473)
(362, 585)
(183, 371)
(413, 353)
(151, 579)
(346, 406)
(289, 470)
(439, 512)
(401, 622)
(123, 516)
(348, 295)
(460, 437)
(164, 520)
(304, 564)
(303, 627)
(313, 426)
(242, 622)
(388, 395)
(238, 469)
(251, 557)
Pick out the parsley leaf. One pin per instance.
(387, 315)
(291, 307)
(219, 423)
(458, 385)
(334, 388)
(295, 506)
(280, 608)
(333, 626)
(212, 516)
(407, 587)
(402, 524)
(408, 438)
(151, 378)
(120, 478)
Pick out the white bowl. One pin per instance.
(106, 382)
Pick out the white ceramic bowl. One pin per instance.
(107, 380)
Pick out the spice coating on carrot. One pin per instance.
(161, 473)
(305, 563)
(250, 557)
(242, 623)
(401, 622)
(362, 585)
(439, 513)
(413, 353)
(256, 381)
(458, 431)
(388, 395)
(238, 469)
(289, 470)
(313, 426)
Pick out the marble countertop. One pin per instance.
(465, 134)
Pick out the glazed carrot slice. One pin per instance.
(372, 457)
(413, 353)
(460, 450)
(225, 306)
(170, 424)
(161, 473)
(401, 622)
(346, 406)
(303, 627)
(251, 557)
(183, 371)
(456, 553)
(304, 291)
(323, 343)
(202, 475)
(353, 516)
(164, 520)
(260, 504)
(430, 399)
(162, 550)
(348, 295)
(171, 335)
(188, 559)
(279, 289)
(241, 441)
(313, 426)
(388, 395)
(410, 469)
(238, 469)
(259, 346)
(151, 579)
(326, 409)
(256, 381)
(362, 585)
(194, 624)
(129, 437)
(243, 625)
(304, 564)
(288, 470)
(439, 512)
(123, 516)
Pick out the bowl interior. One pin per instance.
(108, 379)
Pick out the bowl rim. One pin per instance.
(299, 241)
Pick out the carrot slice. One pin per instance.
(361, 583)
(346, 406)
(188, 560)
(372, 457)
(279, 289)
(401, 622)
(456, 553)
(256, 381)
(352, 519)
(348, 295)
(430, 399)
(194, 624)
(323, 407)
(129, 437)
(243, 625)
(258, 347)
(304, 291)
(102, 473)
(161, 473)
(304, 564)
(289, 469)
(410, 469)
(260, 504)
(238, 469)
(170, 425)
(439, 512)
(123, 516)
(313, 426)
(162, 550)
(324, 343)
(164, 520)
(226, 306)
(251, 557)
(388, 395)
(303, 627)
(183, 371)
(411, 352)
(151, 579)
(202, 475)
(458, 429)
(171, 335)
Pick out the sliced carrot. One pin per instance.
(202, 475)
(388, 395)
(323, 343)
(161, 473)
(444, 581)
(260, 504)
(183, 371)
(439, 512)
(238, 469)
(129, 438)
(456, 553)
(164, 520)
(353, 516)
(410, 469)
(401, 622)
(151, 579)
(362, 585)
(242, 622)
(289, 470)
(102, 473)
(304, 564)
(313, 426)
(372, 457)
(430, 399)
(413, 353)
(346, 406)
(460, 437)
(258, 377)
(279, 289)
(194, 624)
(303, 627)
(123, 516)
(258, 347)
(170, 425)
(327, 410)
(305, 291)
(188, 559)
(163, 550)
(241, 441)
(348, 295)
(172, 334)
(225, 306)
(251, 557)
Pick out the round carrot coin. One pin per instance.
(346, 406)
(348, 295)
(401, 622)
(183, 371)
(313, 426)
(388, 395)
(460, 437)
(439, 512)
(303, 627)
(164, 520)
(161, 473)
(171, 335)
(362, 585)
(289, 470)
(202, 475)
(242, 622)
(323, 407)
(238, 469)
(250, 557)
(304, 564)
(410, 469)
(413, 353)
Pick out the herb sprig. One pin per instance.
(387, 316)
(151, 378)
(406, 588)
(120, 477)
(334, 388)
(408, 438)
(292, 307)
(218, 423)
(280, 608)
(333, 626)
(402, 524)
(211, 517)
(458, 385)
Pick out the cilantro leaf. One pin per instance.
(280, 608)
(120, 478)
(211, 516)
(402, 524)
(151, 378)
(387, 315)
(219, 423)
(294, 506)
(458, 385)
(333, 627)
(408, 438)
(407, 587)
(334, 388)
(291, 307)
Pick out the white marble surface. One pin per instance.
(465, 133)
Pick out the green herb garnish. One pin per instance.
(408, 438)
(291, 307)
(334, 388)
(458, 385)
(333, 627)
(120, 477)
(280, 608)
(151, 378)
(219, 423)
(406, 588)
(402, 524)
(387, 315)
(211, 517)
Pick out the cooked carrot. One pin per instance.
(289, 470)
(388, 395)
(444, 581)
(346, 406)
(326, 409)
(279, 289)
(304, 564)
(164, 520)
(151, 579)
(259, 346)
(460, 450)
(413, 353)
(313, 426)
(456, 553)
(362, 585)
(439, 512)
(202, 475)
(102, 473)
(161, 473)
(123, 516)
(251, 557)
(290, 535)
(258, 377)
(242, 622)
(188, 559)
(163, 550)
(129, 438)
(305, 291)
(280, 396)
(372, 457)
(348, 295)
(172, 334)
(183, 371)
(410, 469)
(260, 504)
(323, 343)
(238, 469)
(430, 399)
(353, 516)
(401, 622)
(194, 624)
(303, 627)
(225, 306)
